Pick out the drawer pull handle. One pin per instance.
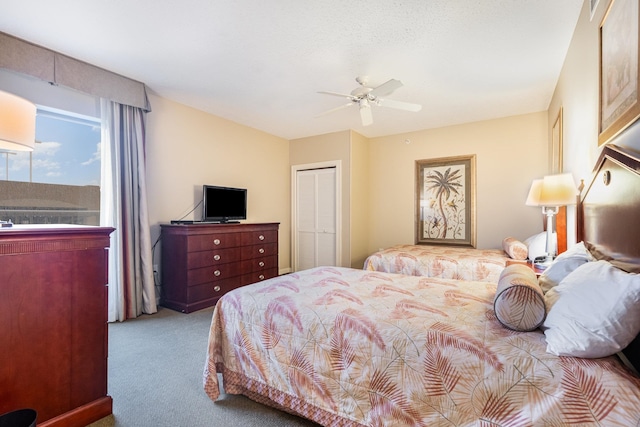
(261, 263)
(216, 257)
(261, 237)
(216, 242)
(261, 250)
(261, 277)
(216, 273)
(216, 288)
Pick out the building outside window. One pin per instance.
(59, 181)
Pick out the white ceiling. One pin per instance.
(261, 62)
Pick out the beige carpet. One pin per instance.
(155, 377)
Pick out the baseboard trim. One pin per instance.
(82, 415)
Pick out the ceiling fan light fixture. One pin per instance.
(366, 117)
(365, 96)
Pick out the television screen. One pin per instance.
(223, 204)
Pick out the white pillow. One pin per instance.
(564, 264)
(593, 312)
(537, 244)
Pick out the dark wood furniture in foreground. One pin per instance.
(53, 323)
(201, 262)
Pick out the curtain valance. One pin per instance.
(37, 61)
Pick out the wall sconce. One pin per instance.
(551, 192)
(17, 123)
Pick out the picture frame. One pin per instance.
(555, 146)
(446, 201)
(619, 68)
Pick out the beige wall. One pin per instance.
(187, 148)
(360, 199)
(510, 153)
(577, 92)
(323, 148)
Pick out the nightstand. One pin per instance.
(528, 263)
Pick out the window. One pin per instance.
(59, 181)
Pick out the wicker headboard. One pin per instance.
(609, 215)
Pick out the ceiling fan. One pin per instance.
(365, 96)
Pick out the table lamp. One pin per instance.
(17, 127)
(17, 123)
(551, 192)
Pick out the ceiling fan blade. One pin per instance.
(407, 106)
(349, 104)
(386, 88)
(365, 114)
(341, 95)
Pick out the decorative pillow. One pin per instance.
(519, 302)
(593, 312)
(564, 264)
(537, 245)
(514, 248)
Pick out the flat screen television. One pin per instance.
(223, 204)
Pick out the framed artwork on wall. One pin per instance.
(619, 72)
(555, 146)
(446, 201)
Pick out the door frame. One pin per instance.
(337, 164)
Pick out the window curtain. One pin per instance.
(123, 205)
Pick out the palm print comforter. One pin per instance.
(351, 347)
(445, 262)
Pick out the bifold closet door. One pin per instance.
(316, 218)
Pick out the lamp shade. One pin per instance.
(17, 123)
(534, 193)
(553, 190)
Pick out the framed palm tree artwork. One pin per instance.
(446, 201)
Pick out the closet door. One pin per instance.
(316, 219)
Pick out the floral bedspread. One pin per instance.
(446, 262)
(352, 347)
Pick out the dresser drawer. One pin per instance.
(210, 290)
(257, 237)
(197, 276)
(259, 264)
(213, 257)
(204, 242)
(258, 251)
(258, 276)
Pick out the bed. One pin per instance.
(354, 347)
(447, 262)
(463, 263)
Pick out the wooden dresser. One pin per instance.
(201, 262)
(53, 323)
